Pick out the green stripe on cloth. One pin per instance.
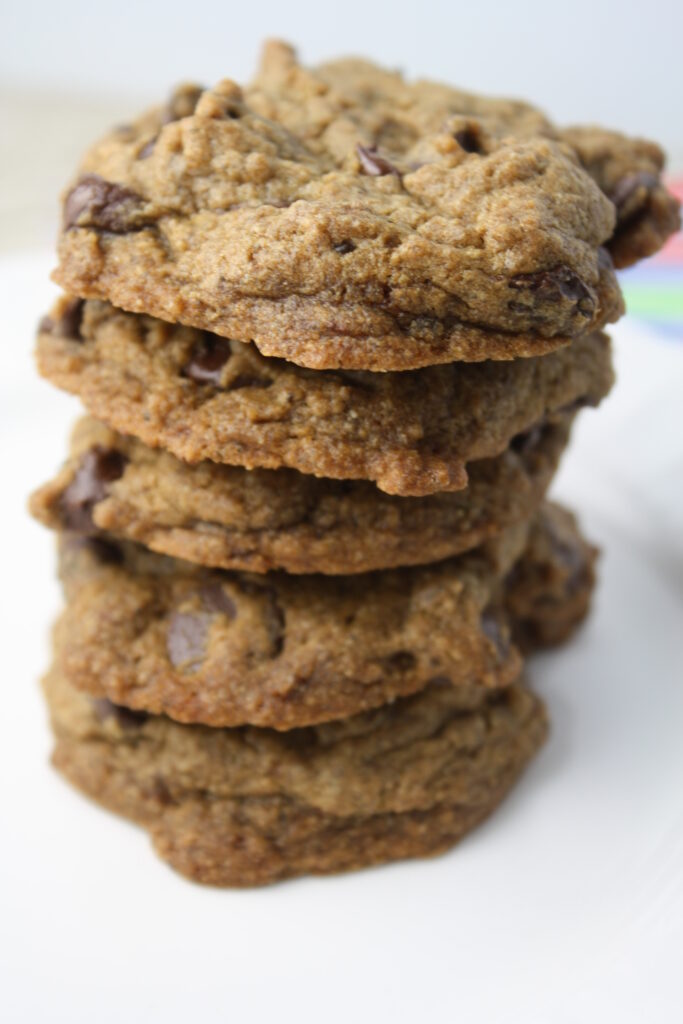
(650, 300)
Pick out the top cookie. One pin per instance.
(345, 218)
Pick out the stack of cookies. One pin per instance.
(331, 332)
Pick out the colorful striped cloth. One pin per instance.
(654, 288)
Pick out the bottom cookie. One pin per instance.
(246, 806)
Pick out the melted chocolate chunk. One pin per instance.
(94, 202)
(160, 792)
(569, 554)
(207, 359)
(558, 283)
(125, 718)
(528, 440)
(468, 139)
(148, 148)
(495, 633)
(401, 661)
(374, 164)
(215, 599)
(104, 551)
(99, 467)
(69, 323)
(186, 639)
(627, 187)
(345, 247)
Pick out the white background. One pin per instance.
(616, 62)
(568, 905)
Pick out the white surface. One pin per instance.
(567, 906)
(614, 61)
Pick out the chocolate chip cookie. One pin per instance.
(203, 397)
(548, 592)
(331, 105)
(249, 806)
(229, 648)
(259, 520)
(281, 216)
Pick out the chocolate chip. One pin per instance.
(94, 202)
(125, 718)
(160, 792)
(305, 740)
(215, 599)
(401, 661)
(626, 187)
(181, 103)
(186, 639)
(558, 283)
(99, 467)
(529, 440)
(148, 148)
(494, 632)
(568, 554)
(207, 359)
(468, 139)
(70, 320)
(104, 551)
(374, 164)
(344, 247)
(246, 380)
(69, 323)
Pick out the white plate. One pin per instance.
(567, 905)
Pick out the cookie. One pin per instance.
(452, 241)
(629, 172)
(390, 113)
(202, 397)
(229, 648)
(259, 520)
(250, 806)
(548, 592)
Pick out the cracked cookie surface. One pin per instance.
(340, 225)
(249, 806)
(202, 397)
(259, 520)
